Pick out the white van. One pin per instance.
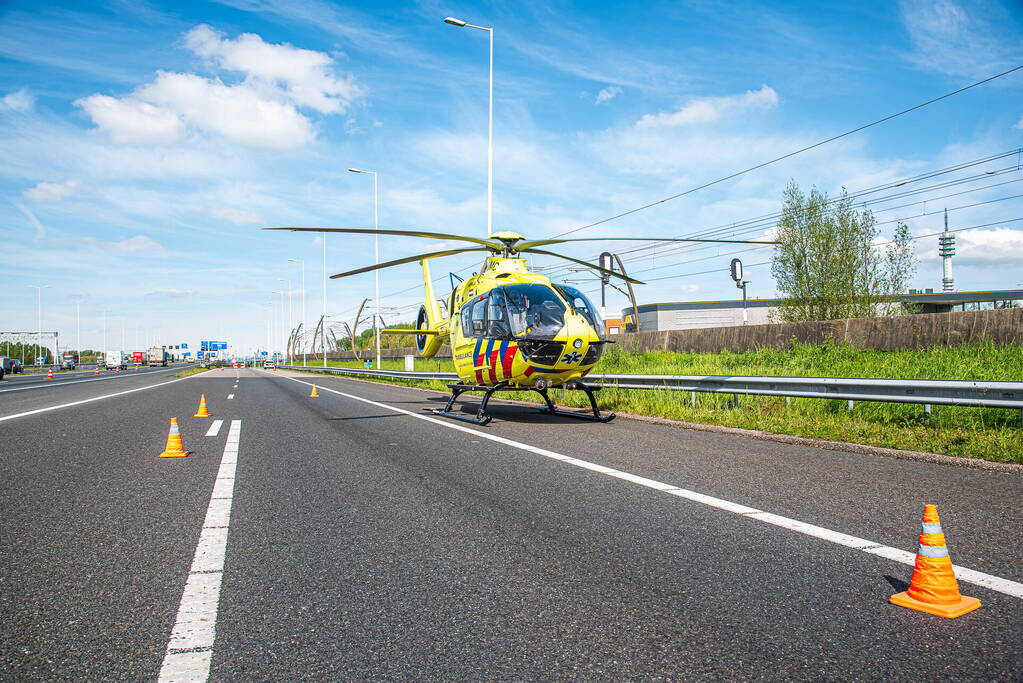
(115, 359)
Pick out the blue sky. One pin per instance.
(145, 143)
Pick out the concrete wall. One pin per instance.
(887, 333)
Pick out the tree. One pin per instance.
(828, 265)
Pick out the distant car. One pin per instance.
(12, 365)
(269, 365)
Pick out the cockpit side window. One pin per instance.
(497, 316)
(466, 318)
(479, 316)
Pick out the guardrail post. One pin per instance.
(927, 409)
(692, 400)
(735, 400)
(788, 401)
(851, 405)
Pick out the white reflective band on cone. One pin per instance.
(931, 527)
(933, 551)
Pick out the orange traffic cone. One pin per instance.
(314, 394)
(933, 588)
(202, 412)
(174, 448)
(97, 370)
(117, 371)
(136, 369)
(49, 373)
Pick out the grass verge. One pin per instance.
(191, 371)
(988, 433)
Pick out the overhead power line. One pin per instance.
(792, 154)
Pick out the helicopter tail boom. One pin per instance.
(431, 326)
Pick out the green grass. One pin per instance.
(988, 433)
(191, 371)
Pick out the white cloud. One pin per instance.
(608, 93)
(39, 227)
(302, 75)
(689, 289)
(710, 109)
(130, 121)
(1019, 124)
(233, 215)
(173, 293)
(966, 40)
(139, 243)
(261, 112)
(19, 100)
(51, 192)
(999, 246)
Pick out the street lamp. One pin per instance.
(302, 264)
(39, 310)
(376, 256)
(490, 122)
(290, 321)
(273, 306)
(323, 320)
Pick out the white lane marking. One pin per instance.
(88, 400)
(230, 396)
(80, 381)
(190, 647)
(996, 583)
(214, 428)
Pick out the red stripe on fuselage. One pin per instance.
(493, 366)
(509, 358)
(479, 377)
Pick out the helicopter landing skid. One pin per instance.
(481, 417)
(576, 386)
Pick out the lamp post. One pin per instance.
(290, 321)
(323, 320)
(376, 256)
(39, 310)
(77, 298)
(274, 312)
(302, 264)
(490, 122)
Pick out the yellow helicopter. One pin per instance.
(510, 329)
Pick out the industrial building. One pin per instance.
(684, 315)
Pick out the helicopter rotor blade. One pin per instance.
(539, 243)
(594, 266)
(407, 259)
(493, 244)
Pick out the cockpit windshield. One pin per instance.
(581, 304)
(529, 310)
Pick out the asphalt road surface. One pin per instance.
(354, 537)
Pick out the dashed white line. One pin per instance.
(214, 428)
(230, 396)
(190, 647)
(65, 382)
(996, 583)
(87, 400)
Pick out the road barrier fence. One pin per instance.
(924, 392)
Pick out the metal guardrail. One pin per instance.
(920, 391)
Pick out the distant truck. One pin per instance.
(70, 361)
(157, 356)
(136, 357)
(115, 360)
